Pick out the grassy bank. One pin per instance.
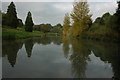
(19, 33)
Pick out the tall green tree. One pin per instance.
(12, 19)
(29, 23)
(81, 17)
(118, 17)
(66, 24)
(114, 21)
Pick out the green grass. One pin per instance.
(10, 33)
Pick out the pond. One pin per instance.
(56, 57)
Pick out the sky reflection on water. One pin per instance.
(54, 57)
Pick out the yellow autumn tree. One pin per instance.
(66, 24)
(81, 18)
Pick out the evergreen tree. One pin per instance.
(12, 19)
(29, 23)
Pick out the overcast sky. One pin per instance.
(53, 12)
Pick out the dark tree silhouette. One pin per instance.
(118, 16)
(29, 23)
(12, 19)
(11, 52)
(29, 46)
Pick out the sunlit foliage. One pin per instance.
(81, 18)
(66, 24)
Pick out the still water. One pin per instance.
(55, 57)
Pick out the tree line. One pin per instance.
(10, 19)
(49, 28)
(82, 24)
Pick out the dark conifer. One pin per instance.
(29, 23)
(12, 19)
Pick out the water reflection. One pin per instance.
(66, 46)
(48, 40)
(10, 50)
(81, 49)
(28, 46)
(79, 58)
(43, 40)
(76, 51)
(108, 52)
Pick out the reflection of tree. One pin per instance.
(107, 52)
(29, 45)
(66, 46)
(0, 45)
(57, 40)
(10, 49)
(78, 58)
(47, 40)
(116, 64)
(42, 40)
